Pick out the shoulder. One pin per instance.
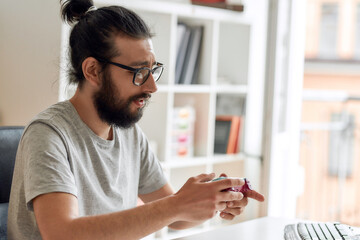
(58, 118)
(49, 126)
(41, 136)
(58, 112)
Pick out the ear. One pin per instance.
(91, 69)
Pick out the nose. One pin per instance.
(150, 85)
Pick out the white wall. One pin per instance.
(29, 58)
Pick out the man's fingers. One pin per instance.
(227, 216)
(205, 177)
(240, 203)
(234, 211)
(254, 195)
(228, 183)
(231, 196)
(221, 206)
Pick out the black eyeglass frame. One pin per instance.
(136, 70)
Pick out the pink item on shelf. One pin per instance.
(183, 138)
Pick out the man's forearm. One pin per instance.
(57, 214)
(180, 225)
(128, 224)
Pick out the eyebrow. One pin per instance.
(144, 63)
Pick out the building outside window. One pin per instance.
(330, 134)
(357, 33)
(328, 31)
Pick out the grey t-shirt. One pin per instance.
(59, 153)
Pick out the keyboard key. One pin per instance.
(343, 229)
(319, 232)
(303, 232)
(290, 233)
(325, 230)
(290, 236)
(333, 231)
(311, 231)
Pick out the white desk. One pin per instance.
(267, 228)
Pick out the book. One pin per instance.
(192, 57)
(181, 29)
(183, 32)
(227, 134)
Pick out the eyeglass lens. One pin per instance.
(142, 75)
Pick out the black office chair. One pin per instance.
(9, 141)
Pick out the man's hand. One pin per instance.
(200, 199)
(234, 208)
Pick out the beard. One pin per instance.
(115, 111)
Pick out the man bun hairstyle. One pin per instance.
(72, 11)
(94, 30)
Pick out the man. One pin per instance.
(82, 163)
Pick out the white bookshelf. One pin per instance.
(232, 68)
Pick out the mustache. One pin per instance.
(143, 95)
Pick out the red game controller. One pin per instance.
(241, 189)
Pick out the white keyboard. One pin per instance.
(321, 231)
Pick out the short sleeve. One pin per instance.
(152, 176)
(47, 168)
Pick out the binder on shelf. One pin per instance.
(183, 32)
(181, 29)
(188, 54)
(191, 65)
(227, 133)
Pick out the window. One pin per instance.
(328, 31)
(357, 33)
(341, 146)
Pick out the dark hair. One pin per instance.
(94, 31)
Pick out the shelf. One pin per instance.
(181, 9)
(163, 88)
(225, 158)
(197, 88)
(222, 5)
(231, 104)
(179, 162)
(238, 89)
(194, 88)
(233, 61)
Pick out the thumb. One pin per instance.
(223, 175)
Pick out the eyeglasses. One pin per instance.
(140, 74)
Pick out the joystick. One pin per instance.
(241, 189)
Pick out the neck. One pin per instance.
(84, 106)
